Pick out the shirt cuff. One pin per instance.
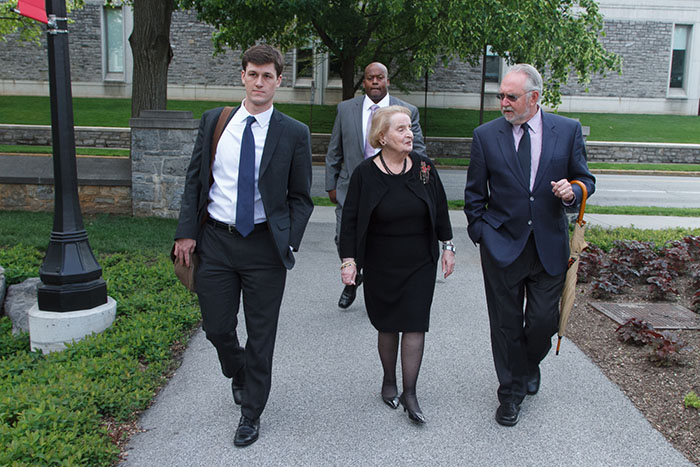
(570, 203)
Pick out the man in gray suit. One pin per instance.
(349, 146)
(244, 210)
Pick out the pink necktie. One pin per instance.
(369, 150)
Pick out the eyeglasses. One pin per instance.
(511, 97)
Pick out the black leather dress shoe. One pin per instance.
(533, 383)
(507, 414)
(247, 432)
(237, 387)
(349, 293)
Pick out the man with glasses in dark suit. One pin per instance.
(515, 198)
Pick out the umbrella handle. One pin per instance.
(583, 201)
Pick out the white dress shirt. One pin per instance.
(224, 191)
(366, 104)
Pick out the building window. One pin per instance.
(493, 66)
(304, 65)
(681, 35)
(114, 44)
(335, 67)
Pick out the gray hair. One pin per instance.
(381, 122)
(534, 79)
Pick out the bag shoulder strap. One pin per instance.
(220, 125)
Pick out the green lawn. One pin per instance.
(32, 110)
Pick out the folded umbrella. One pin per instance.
(576, 244)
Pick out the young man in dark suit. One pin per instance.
(516, 192)
(349, 144)
(244, 213)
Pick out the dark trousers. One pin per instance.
(231, 265)
(520, 340)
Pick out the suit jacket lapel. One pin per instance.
(549, 142)
(357, 119)
(507, 145)
(274, 132)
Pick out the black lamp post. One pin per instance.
(70, 275)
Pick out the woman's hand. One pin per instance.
(348, 271)
(448, 262)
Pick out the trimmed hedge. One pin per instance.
(54, 408)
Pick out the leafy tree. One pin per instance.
(411, 36)
(558, 37)
(28, 30)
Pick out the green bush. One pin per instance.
(53, 407)
(604, 238)
(20, 263)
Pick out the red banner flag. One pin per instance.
(34, 9)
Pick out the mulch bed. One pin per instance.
(657, 391)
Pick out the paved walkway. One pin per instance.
(325, 409)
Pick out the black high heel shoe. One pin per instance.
(392, 401)
(416, 416)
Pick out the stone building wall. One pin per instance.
(94, 199)
(40, 135)
(26, 61)
(645, 48)
(193, 62)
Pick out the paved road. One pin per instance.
(611, 190)
(325, 408)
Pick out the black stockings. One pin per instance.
(412, 344)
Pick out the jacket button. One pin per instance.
(529, 222)
(532, 198)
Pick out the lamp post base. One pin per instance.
(71, 297)
(50, 331)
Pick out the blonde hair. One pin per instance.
(380, 122)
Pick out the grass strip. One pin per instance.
(642, 211)
(643, 167)
(464, 162)
(619, 210)
(112, 152)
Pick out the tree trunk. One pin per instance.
(150, 46)
(348, 72)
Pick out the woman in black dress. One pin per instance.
(394, 214)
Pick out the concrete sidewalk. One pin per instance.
(325, 407)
